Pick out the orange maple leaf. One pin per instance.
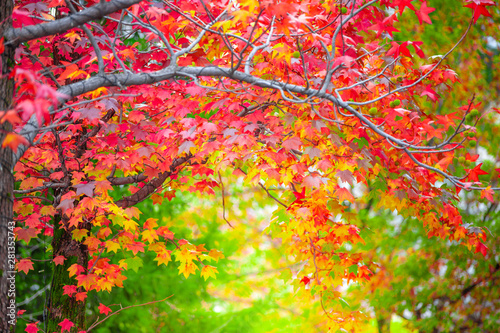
(25, 265)
(13, 140)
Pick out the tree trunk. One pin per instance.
(62, 306)
(7, 245)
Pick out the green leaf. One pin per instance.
(134, 263)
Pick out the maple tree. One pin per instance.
(106, 104)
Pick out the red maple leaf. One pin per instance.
(472, 158)
(431, 93)
(59, 260)
(299, 197)
(402, 4)
(104, 309)
(66, 325)
(474, 173)
(488, 194)
(396, 49)
(423, 12)
(480, 247)
(69, 290)
(479, 8)
(32, 327)
(305, 280)
(80, 297)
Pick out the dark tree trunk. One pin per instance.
(62, 306)
(7, 281)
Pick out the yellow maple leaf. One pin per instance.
(185, 256)
(163, 257)
(25, 210)
(48, 210)
(187, 269)
(149, 235)
(216, 254)
(78, 234)
(112, 246)
(208, 271)
(129, 225)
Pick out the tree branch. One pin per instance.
(96, 12)
(150, 187)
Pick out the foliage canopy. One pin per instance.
(331, 109)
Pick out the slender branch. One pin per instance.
(121, 309)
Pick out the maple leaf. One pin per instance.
(104, 309)
(305, 280)
(157, 199)
(134, 263)
(187, 269)
(216, 255)
(186, 147)
(80, 297)
(69, 290)
(85, 188)
(26, 234)
(299, 197)
(163, 257)
(89, 113)
(112, 246)
(312, 152)
(25, 265)
(11, 116)
(312, 181)
(476, 172)
(66, 205)
(79, 234)
(346, 176)
(292, 143)
(208, 271)
(423, 12)
(32, 327)
(402, 4)
(149, 236)
(344, 194)
(472, 158)
(59, 260)
(66, 325)
(480, 247)
(488, 194)
(13, 140)
(75, 269)
(136, 247)
(479, 8)
(429, 92)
